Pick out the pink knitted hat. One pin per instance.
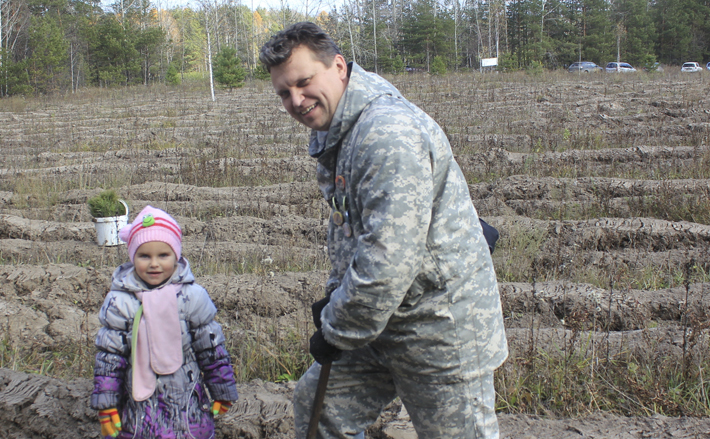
(152, 224)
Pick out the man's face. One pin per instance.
(309, 90)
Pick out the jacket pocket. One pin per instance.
(198, 418)
(428, 279)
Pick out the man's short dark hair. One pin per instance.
(278, 49)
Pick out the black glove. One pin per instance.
(317, 307)
(323, 351)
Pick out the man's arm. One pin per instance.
(392, 174)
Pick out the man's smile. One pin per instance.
(308, 110)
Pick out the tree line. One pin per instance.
(61, 45)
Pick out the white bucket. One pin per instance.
(107, 228)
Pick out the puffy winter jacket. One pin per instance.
(412, 273)
(180, 406)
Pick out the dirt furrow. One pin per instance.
(671, 344)
(263, 409)
(555, 303)
(598, 185)
(652, 161)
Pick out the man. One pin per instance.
(412, 307)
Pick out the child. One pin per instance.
(159, 345)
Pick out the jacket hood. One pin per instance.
(363, 88)
(124, 278)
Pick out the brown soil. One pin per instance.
(268, 220)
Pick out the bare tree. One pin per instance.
(121, 8)
(14, 24)
(374, 31)
(205, 8)
(457, 12)
(1, 32)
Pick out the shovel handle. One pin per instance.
(318, 400)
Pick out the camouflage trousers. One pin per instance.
(360, 388)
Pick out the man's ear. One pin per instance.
(341, 65)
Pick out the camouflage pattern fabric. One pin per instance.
(412, 276)
(360, 387)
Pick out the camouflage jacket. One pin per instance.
(412, 275)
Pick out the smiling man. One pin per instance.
(310, 89)
(412, 307)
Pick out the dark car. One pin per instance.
(584, 67)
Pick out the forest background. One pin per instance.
(62, 45)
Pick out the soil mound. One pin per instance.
(598, 186)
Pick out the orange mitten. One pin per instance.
(220, 407)
(110, 422)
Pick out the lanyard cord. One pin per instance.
(134, 336)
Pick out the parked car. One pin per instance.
(655, 67)
(708, 66)
(619, 67)
(584, 67)
(691, 67)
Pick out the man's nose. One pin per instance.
(296, 98)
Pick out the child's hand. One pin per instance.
(110, 422)
(220, 407)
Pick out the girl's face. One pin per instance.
(155, 262)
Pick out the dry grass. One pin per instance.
(197, 137)
(577, 375)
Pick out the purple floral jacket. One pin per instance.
(181, 404)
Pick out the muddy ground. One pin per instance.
(568, 160)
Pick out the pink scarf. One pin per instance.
(157, 339)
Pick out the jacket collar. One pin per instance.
(363, 88)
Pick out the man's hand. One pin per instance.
(220, 407)
(322, 351)
(317, 308)
(110, 422)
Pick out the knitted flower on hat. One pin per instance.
(152, 224)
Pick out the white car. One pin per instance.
(691, 67)
(619, 67)
(584, 66)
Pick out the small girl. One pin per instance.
(159, 345)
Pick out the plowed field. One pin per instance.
(598, 184)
